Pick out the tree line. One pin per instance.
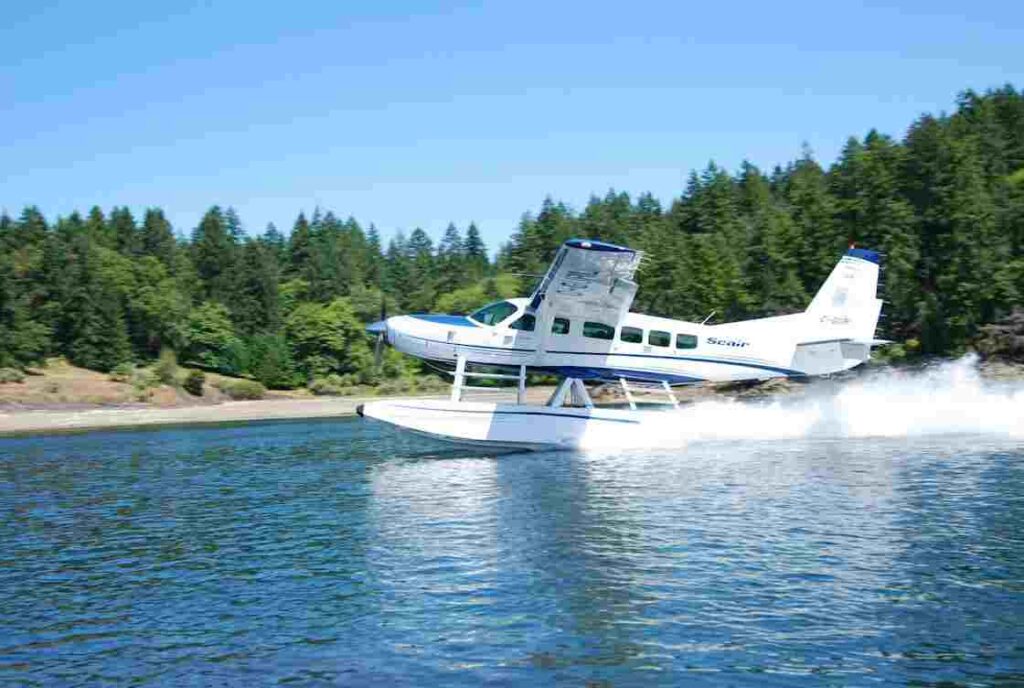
(945, 205)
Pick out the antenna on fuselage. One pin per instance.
(710, 315)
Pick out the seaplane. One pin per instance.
(577, 326)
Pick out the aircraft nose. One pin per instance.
(381, 326)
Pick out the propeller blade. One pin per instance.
(378, 350)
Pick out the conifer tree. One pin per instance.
(375, 258)
(451, 261)
(420, 251)
(156, 237)
(475, 254)
(123, 231)
(300, 248)
(215, 254)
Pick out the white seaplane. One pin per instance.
(576, 325)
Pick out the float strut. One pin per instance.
(521, 390)
(671, 395)
(558, 396)
(580, 395)
(629, 395)
(460, 377)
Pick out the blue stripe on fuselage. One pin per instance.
(631, 374)
(698, 359)
(596, 373)
(445, 319)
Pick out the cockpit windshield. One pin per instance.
(494, 313)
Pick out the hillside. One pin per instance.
(944, 204)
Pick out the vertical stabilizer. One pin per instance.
(847, 306)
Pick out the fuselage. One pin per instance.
(641, 347)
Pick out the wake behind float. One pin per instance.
(577, 326)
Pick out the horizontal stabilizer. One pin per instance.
(866, 342)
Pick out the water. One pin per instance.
(343, 552)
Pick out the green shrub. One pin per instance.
(122, 372)
(271, 363)
(194, 382)
(11, 375)
(143, 379)
(335, 385)
(240, 390)
(166, 368)
(393, 387)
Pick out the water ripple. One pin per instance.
(341, 552)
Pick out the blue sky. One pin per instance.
(413, 114)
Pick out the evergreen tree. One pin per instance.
(451, 261)
(804, 188)
(375, 259)
(257, 307)
(23, 339)
(157, 238)
(772, 275)
(475, 254)
(93, 319)
(300, 248)
(215, 254)
(423, 276)
(123, 231)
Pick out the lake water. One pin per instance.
(344, 552)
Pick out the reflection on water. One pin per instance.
(343, 552)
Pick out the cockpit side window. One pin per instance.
(526, 323)
(560, 326)
(494, 313)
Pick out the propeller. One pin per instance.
(380, 329)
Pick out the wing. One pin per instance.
(589, 278)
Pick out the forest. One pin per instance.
(944, 204)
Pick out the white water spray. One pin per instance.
(950, 398)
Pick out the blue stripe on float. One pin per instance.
(521, 413)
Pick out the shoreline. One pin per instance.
(71, 417)
(47, 421)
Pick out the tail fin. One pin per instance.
(846, 306)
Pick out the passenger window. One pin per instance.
(596, 330)
(494, 313)
(560, 326)
(525, 323)
(658, 338)
(686, 341)
(633, 335)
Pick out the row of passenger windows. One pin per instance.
(633, 335)
(497, 312)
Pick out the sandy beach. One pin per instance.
(55, 420)
(45, 421)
